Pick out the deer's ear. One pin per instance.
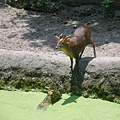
(60, 36)
(65, 38)
(57, 38)
(68, 40)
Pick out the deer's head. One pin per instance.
(62, 41)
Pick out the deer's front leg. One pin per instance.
(77, 64)
(71, 59)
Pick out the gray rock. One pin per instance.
(98, 77)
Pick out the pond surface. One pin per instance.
(16, 105)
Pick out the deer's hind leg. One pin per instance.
(81, 54)
(94, 49)
(92, 42)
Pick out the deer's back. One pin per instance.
(83, 34)
(80, 32)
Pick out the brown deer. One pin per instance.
(74, 46)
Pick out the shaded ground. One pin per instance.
(22, 30)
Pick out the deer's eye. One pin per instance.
(62, 43)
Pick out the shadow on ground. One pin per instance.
(78, 78)
(70, 99)
(41, 28)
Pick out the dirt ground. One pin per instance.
(22, 30)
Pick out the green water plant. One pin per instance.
(37, 5)
(107, 6)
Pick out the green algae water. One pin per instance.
(15, 105)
